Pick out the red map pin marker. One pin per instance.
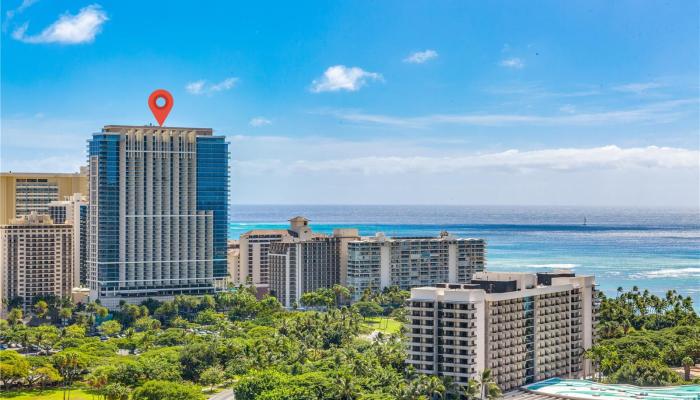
(160, 112)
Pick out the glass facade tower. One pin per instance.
(157, 219)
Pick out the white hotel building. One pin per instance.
(379, 261)
(524, 327)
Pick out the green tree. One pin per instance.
(207, 302)
(146, 324)
(212, 376)
(44, 375)
(252, 385)
(74, 331)
(41, 308)
(160, 390)
(482, 388)
(196, 357)
(65, 313)
(368, 308)
(101, 312)
(472, 390)
(161, 365)
(99, 378)
(44, 337)
(110, 328)
(209, 317)
(14, 368)
(70, 365)
(14, 317)
(434, 387)
(341, 292)
(116, 391)
(646, 373)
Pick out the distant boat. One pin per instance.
(585, 221)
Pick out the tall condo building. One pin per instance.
(377, 262)
(306, 263)
(23, 193)
(253, 266)
(524, 327)
(73, 211)
(36, 259)
(158, 209)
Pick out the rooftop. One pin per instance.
(40, 174)
(124, 128)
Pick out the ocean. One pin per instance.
(655, 249)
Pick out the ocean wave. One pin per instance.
(671, 273)
(553, 266)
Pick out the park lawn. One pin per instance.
(49, 394)
(381, 324)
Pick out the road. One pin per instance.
(226, 394)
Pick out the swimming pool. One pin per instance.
(583, 389)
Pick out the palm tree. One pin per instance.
(341, 293)
(489, 388)
(434, 387)
(471, 391)
(15, 316)
(98, 379)
(625, 326)
(687, 362)
(346, 388)
(41, 308)
(65, 314)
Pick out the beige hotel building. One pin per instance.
(36, 259)
(524, 327)
(307, 263)
(24, 192)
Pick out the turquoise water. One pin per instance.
(656, 249)
(586, 389)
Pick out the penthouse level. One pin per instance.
(525, 327)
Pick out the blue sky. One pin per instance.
(579, 103)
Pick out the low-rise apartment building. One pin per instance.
(377, 262)
(524, 327)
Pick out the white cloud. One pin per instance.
(637, 88)
(10, 14)
(202, 87)
(514, 62)
(562, 160)
(68, 29)
(420, 57)
(340, 77)
(259, 121)
(226, 84)
(655, 112)
(568, 108)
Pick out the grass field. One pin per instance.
(384, 325)
(75, 394)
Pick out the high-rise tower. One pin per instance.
(158, 212)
